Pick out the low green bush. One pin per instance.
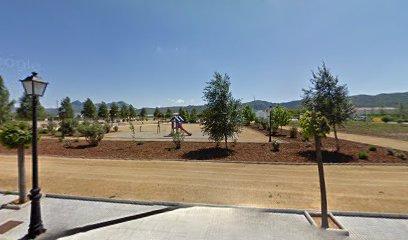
(140, 143)
(69, 126)
(115, 128)
(13, 135)
(386, 119)
(107, 127)
(43, 131)
(293, 132)
(363, 155)
(390, 151)
(372, 148)
(92, 132)
(275, 146)
(401, 155)
(178, 139)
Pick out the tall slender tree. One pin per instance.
(114, 111)
(222, 115)
(330, 98)
(66, 110)
(103, 111)
(156, 113)
(25, 110)
(168, 114)
(132, 112)
(89, 109)
(143, 114)
(315, 125)
(5, 104)
(124, 112)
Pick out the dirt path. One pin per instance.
(350, 188)
(378, 141)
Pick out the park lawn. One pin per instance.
(387, 130)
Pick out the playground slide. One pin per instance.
(184, 130)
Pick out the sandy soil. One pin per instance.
(350, 188)
(148, 132)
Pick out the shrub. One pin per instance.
(390, 151)
(13, 135)
(69, 126)
(363, 155)
(275, 146)
(274, 130)
(43, 131)
(308, 145)
(293, 132)
(140, 143)
(115, 128)
(67, 143)
(372, 148)
(386, 119)
(401, 155)
(60, 138)
(107, 127)
(92, 132)
(52, 127)
(178, 139)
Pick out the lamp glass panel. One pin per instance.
(28, 87)
(39, 88)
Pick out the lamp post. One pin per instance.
(35, 87)
(270, 123)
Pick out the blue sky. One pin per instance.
(161, 53)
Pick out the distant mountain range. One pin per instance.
(380, 100)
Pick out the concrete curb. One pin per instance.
(186, 205)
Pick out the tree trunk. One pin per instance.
(21, 176)
(226, 141)
(325, 222)
(336, 138)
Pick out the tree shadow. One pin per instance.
(84, 146)
(328, 156)
(208, 153)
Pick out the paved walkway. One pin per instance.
(78, 219)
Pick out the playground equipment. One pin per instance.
(177, 123)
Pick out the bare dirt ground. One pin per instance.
(350, 188)
(148, 132)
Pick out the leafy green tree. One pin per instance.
(280, 116)
(248, 114)
(103, 111)
(132, 112)
(168, 114)
(316, 125)
(69, 126)
(143, 114)
(193, 118)
(92, 132)
(182, 113)
(329, 98)
(157, 113)
(124, 112)
(25, 110)
(5, 104)
(222, 115)
(114, 112)
(18, 136)
(66, 110)
(89, 109)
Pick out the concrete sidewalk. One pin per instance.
(79, 219)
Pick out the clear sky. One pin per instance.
(160, 53)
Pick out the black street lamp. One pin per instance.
(35, 87)
(270, 123)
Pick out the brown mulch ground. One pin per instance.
(292, 151)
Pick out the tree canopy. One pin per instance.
(114, 111)
(222, 115)
(248, 114)
(5, 104)
(25, 110)
(66, 110)
(132, 112)
(329, 98)
(280, 116)
(89, 109)
(103, 111)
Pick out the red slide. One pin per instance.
(184, 130)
